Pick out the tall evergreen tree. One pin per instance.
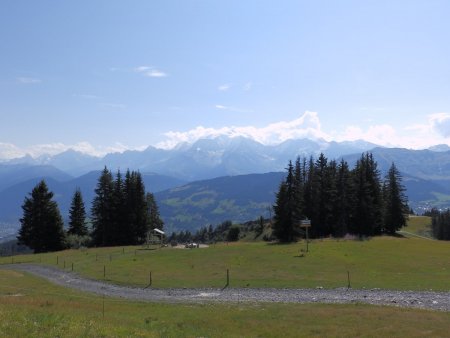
(287, 211)
(368, 209)
(119, 231)
(77, 216)
(440, 225)
(309, 188)
(321, 207)
(140, 228)
(375, 187)
(345, 200)
(395, 207)
(153, 218)
(331, 176)
(299, 177)
(41, 224)
(102, 209)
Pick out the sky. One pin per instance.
(101, 76)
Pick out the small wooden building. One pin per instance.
(155, 237)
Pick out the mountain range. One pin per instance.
(205, 158)
(217, 179)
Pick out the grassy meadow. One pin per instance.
(418, 225)
(382, 262)
(32, 307)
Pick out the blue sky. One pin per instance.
(110, 75)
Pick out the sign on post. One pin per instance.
(306, 223)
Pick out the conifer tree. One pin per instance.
(153, 216)
(332, 198)
(287, 211)
(395, 208)
(309, 190)
(299, 177)
(119, 232)
(77, 216)
(102, 209)
(336, 199)
(440, 225)
(345, 199)
(41, 223)
(368, 209)
(140, 210)
(324, 190)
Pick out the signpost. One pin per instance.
(306, 223)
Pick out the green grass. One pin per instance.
(31, 307)
(384, 262)
(418, 225)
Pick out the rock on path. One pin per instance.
(416, 299)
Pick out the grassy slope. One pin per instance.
(418, 225)
(31, 307)
(384, 262)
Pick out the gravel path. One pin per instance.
(417, 299)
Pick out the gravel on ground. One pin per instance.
(415, 299)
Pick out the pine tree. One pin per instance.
(41, 224)
(287, 211)
(345, 200)
(368, 208)
(141, 227)
(321, 207)
(77, 216)
(309, 189)
(102, 209)
(395, 208)
(119, 231)
(154, 219)
(332, 198)
(298, 189)
(375, 188)
(440, 225)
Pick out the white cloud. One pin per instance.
(155, 73)
(232, 109)
(10, 151)
(306, 126)
(149, 71)
(28, 80)
(384, 135)
(248, 86)
(436, 130)
(224, 87)
(440, 123)
(142, 69)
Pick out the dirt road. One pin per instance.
(417, 299)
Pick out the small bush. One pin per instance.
(77, 242)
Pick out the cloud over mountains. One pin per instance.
(436, 130)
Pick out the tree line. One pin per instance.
(122, 213)
(225, 231)
(339, 200)
(440, 223)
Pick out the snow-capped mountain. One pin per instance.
(205, 158)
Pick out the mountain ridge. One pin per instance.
(204, 158)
